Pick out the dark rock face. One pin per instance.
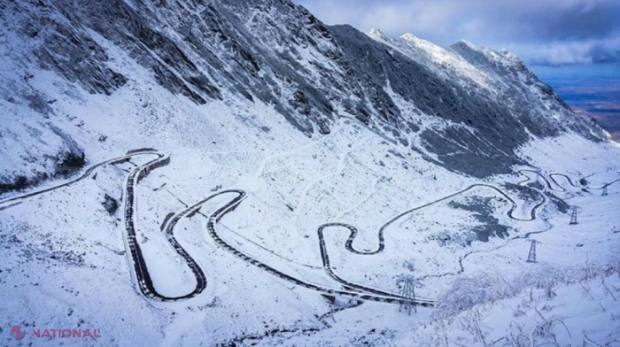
(79, 59)
(72, 160)
(69, 162)
(483, 212)
(110, 204)
(66, 163)
(278, 53)
(560, 204)
(479, 159)
(19, 183)
(63, 47)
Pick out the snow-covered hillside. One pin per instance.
(256, 53)
(237, 173)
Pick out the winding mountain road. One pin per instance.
(84, 175)
(140, 273)
(232, 204)
(568, 179)
(381, 244)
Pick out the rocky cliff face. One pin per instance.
(464, 107)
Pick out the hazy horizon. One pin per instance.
(590, 89)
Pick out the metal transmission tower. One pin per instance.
(531, 258)
(407, 290)
(573, 217)
(604, 190)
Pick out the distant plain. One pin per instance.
(593, 90)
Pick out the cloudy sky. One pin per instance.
(539, 31)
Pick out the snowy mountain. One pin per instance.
(238, 173)
(278, 54)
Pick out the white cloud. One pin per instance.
(565, 30)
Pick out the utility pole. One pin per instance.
(604, 190)
(407, 291)
(573, 216)
(531, 258)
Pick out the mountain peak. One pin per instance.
(377, 33)
(510, 56)
(467, 44)
(409, 37)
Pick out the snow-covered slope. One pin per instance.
(284, 138)
(499, 76)
(273, 53)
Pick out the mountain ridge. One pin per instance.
(277, 53)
